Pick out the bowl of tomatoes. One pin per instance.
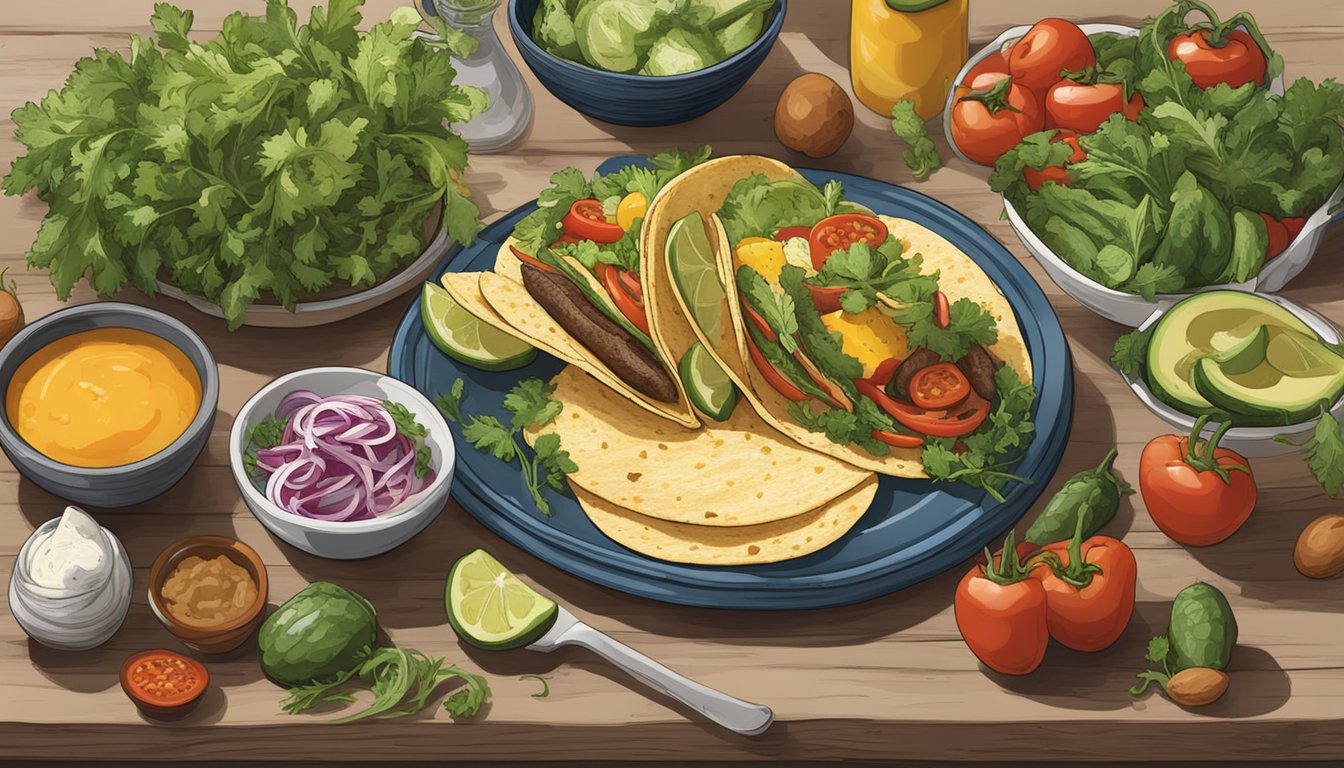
(1035, 101)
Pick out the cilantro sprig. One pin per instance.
(530, 405)
(1324, 451)
(268, 433)
(401, 680)
(983, 457)
(413, 431)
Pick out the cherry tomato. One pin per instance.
(630, 303)
(939, 387)
(962, 421)
(523, 257)
(1278, 236)
(586, 221)
(1083, 108)
(985, 124)
(841, 231)
(1049, 48)
(1088, 606)
(1002, 615)
(1197, 496)
(1294, 225)
(1056, 173)
(994, 62)
(774, 378)
(788, 233)
(897, 440)
(942, 310)
(1236, 62)
(826, 298)
(759, 322)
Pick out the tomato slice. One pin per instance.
(788, 233)
(773, 377)
(587, 221)
(939, 387)
(841, 231)
(826, 298)
(965, 420)
(898, 440)
(884, 371)
(942, 310)
(759, 322)
(632, 306)
(523, 257)
(161, 680)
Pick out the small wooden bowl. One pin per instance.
(216, 639)
(174, 706)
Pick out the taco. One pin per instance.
(862, 336)
(570, 280)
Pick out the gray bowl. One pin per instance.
(127, 484)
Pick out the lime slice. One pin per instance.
(1300, 357)
(691, 260)
(708, 387)
(463, 336)
(491, 608)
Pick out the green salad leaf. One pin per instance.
(271, 160)
(921, 155)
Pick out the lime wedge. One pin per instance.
(691, 260)
(463, 336)
(709, 388)
(491, 608)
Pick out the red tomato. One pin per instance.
(523, 257)
(630, 303)
(942, 310)
(1236, 62)
(841, 231)
(884, 371)
(964, 420)
(898, 440)
(1294, 226)
(1002, 615)
(1050, 47)
(1083, 108)
(985, 124)
(1056, 173)
(586, 221)
(1278, 236)
(939, 387)
(994, 62)
(1197, 496)
(774, 378)
(1089, 605)
(826, 298)
(788, 233)
(759, 322)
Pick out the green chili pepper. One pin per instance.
(1092, 495)
(1202, 633)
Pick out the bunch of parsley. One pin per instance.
(275, 159)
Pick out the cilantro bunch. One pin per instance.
(269, 162)
(530, 405)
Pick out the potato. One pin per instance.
(1319, 553)
(814, 116)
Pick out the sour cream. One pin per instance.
(71, 586)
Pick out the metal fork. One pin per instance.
(734, 714)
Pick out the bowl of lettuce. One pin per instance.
(645, 62)
(1182, 198)
(271, 168)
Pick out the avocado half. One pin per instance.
(1265, 395)
(1209, 323)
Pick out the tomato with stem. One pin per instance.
(1089, 589)
(1082, 101)
(1002, 613)
(1231, 51)
(1056, 173)
(988, 123)
(1196, 492)
(1049, 48)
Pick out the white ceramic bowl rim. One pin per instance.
(295, 380)
(1167, 413)
(209, 382)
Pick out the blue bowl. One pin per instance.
(121, 486)
(640, 100)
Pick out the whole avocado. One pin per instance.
(316, 634)
(1203, 630)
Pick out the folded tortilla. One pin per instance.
(704, 189)
(739, 472)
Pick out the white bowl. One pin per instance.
(357, 538)
(1252, 442)
(1129, 308)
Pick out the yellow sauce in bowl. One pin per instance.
(209, 593)
(104, 397)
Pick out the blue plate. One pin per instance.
(914, 529)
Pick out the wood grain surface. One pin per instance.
(886, 680)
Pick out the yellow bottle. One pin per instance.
(906, 49)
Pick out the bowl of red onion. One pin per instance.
(342, 463)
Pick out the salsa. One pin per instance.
(161, 679)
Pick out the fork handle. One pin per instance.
(732, 713)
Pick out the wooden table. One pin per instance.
(886, 680)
